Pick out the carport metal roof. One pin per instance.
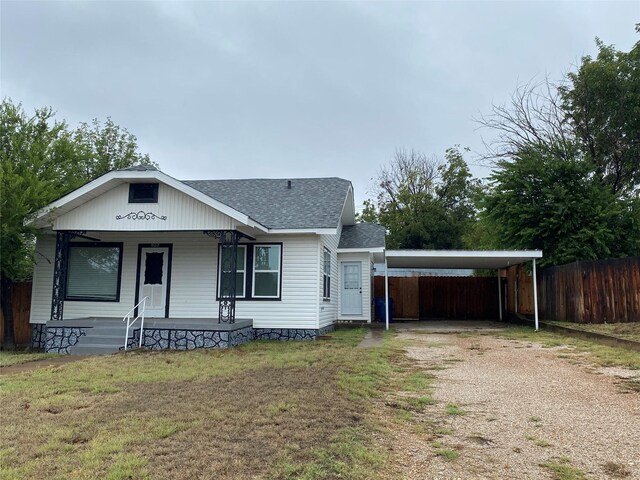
(493, 259)
(459, 258)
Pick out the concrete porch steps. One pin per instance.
(100, 340)
(93, 349)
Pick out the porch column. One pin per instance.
(386, 294)
(535, 294)
(228, 268)
(60, 265)
(499, 296)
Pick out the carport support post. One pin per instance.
(499, 296)
(386, 295)
(535, 294)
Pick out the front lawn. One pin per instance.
(263, 410)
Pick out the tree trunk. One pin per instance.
(6, 301)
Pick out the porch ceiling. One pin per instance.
(453, 259)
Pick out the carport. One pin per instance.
(462, 259)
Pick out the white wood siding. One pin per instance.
(328, 309)
(182, 211)
(193, 281)
(365, 259)
(298, 307)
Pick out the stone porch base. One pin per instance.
(167, 335)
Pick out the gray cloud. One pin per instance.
(219, 90)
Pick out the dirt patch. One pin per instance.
(37, 364)
(265, 411)
(525, 411)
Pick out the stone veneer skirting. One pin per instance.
(290, 333)
(174, 339)
(60, 339)
(56, 339)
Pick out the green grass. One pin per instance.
(539, 442)
(345, 456)
(563, 470)
(453, 409)
(627, 331)
(418, 382)
(444, 452)
(141, 414)
(601, 355)
(13, 358)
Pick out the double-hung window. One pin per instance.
(241, 270)
(326, 275)
(93, 271)
(258, 271)
(266, 271)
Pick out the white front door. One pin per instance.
(351, 288)
(154, 265)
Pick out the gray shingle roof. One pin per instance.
(362, 235)
(309, 203)
(139, 168)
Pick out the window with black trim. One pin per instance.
(326, 275)
(241, 267)
(266, 271)
(143, 193)
(93, 271)
(259, 271)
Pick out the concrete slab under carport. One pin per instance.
(448, 326)
(457, 259)
(375, 337)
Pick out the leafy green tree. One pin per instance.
(537, 201)
(41, 160)
(602, 104)
(107, 147)
(567, 161)
(423, 203)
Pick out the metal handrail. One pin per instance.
(130, 322)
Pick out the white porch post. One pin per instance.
(535, 294)
(386, 294)
(499, 296)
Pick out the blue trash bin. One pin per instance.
(380, 310)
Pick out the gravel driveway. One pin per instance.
(523, 406)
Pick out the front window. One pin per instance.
(94, 272)
(241, 270)
(258, 271)
(326, 275)
(266, 271)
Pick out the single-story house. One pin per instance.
(204, 263)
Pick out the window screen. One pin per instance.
(266, 271)
(93, 272)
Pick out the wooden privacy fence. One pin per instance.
(591, 292)
(21, 308)
(518, 290)
(441, 297)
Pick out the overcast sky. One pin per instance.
(297, 89)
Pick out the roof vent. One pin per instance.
(289, 184)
